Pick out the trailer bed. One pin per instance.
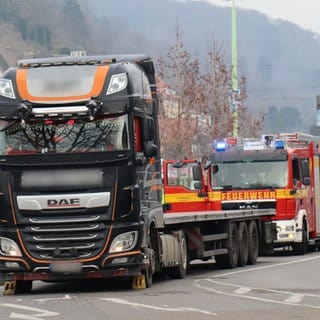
(201, 216)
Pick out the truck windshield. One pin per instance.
(64, 136)
(250, 175)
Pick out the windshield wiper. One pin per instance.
(261, 186)
(226, 187)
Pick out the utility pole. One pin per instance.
(235, 92)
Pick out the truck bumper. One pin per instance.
(287, 232)
(117, 267)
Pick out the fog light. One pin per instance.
(120, 260)
(9, 248)
(291, 236)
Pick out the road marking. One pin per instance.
(295, 298)
(147, 306)
(251, 269)
(233, 294)
(66, 297)
(14, 315)
(242, 290)
(34, 316)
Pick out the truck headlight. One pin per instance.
(124, 242)
(117, 83)
(9, 248)
(6, 89)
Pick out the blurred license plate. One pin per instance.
(66, 266)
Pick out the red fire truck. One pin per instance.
(279, 172)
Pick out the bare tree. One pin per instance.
(195, 103)
(179, 97)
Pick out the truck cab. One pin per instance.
(276, 171)
(80, 178)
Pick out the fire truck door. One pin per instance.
(182, 188)
(302, 182)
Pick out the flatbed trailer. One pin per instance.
(232, 237)
(202, 216)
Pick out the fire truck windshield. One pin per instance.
(64, 136)
(250, 175)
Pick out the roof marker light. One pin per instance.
(220, 146)
(279, 144)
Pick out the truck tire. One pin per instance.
(253, 242)
(148, 272)
(243, 244)
(180, 271)
(301, 247)
(230, 260)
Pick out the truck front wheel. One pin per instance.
(149, 270)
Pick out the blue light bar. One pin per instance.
(279, 144)
(220, 146)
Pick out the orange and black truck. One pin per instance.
(80, 176)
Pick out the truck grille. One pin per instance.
(65, 237)
(63, 226)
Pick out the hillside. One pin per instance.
(280, 60)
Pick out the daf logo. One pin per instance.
(63, 202)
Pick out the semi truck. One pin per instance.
(82, 184)
(274, 171)
(80, 178)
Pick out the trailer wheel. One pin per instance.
(230, 259)
(253, 242)
(301, 247)
(243, 244)
(180, 271)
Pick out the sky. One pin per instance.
(305, 13)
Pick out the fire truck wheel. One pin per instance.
(243, 244)
(180, 271)
(230, 259)
(301, 247)
(23, 287)
(253, 242)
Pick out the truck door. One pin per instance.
(183, 186)
(304, 185)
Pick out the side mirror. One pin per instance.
(150, 150)
(215, 168)
(197, 185)
(147, 129)
(197, 173)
